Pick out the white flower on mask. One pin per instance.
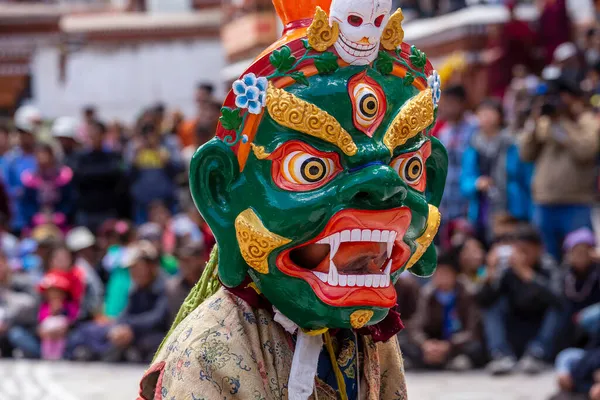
(251, 93)
(435, 84)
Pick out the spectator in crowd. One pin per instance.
(17, 308)
(577, 372)
(567, 59)
(493, 178)
(554, 13)
(81, 242)
(48, 190)
(204, 98)
(192, 260)
(563, 143)
(89, 117)
(407, 291)
(152, 175)
(445, 329)
(508, 45)
(58, 311)
(138, 331)
(202, 135)
(35, 252)
(153, 233)
(5, 145)
(27, 123)
(161, 216)
(521, 301)
(582, 276)
(98, 180)
(64, 130)
(119, 237)
(454, 130)
(471, 260)
(60, 263)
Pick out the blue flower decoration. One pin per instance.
(251, 93)
(435, 83)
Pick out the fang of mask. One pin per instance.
(361, 25)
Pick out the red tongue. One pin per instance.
(351, 252)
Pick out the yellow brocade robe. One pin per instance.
(226, 349)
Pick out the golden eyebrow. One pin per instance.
(294, 113)
(414, 117)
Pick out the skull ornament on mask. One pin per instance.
(361, 24)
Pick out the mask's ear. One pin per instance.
(437, 169)
(213, 172)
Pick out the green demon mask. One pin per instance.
(322, 184)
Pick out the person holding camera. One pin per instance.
(562, 140)
(521, 301)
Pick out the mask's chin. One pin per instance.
(350, 263)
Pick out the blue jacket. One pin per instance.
(518, 184)
(15, 164)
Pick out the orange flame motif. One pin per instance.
(290, 11)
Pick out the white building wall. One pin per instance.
(121, 80)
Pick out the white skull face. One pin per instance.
(361, 24)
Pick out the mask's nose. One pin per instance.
(374, 186)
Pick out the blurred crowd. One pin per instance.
(100, 241)
(518, 281)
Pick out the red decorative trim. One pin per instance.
(281, 166)
(301, 23)
(158, 387)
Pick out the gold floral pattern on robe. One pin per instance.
(227, 350)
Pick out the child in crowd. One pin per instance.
(61, 264)
(58, 311)
(445, 330)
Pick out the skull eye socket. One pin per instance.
(355, 20)
(379, 20)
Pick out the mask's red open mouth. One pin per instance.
(351, 261)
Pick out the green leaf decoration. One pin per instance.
(409, 78)
(306, 45)
(282, 59)
(326, 63)
(417, 58)
(300, 78)
(384, 63)
(230, 118)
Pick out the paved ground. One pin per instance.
(24, 380)
(479, 386)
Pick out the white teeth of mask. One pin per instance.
(334, 278)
